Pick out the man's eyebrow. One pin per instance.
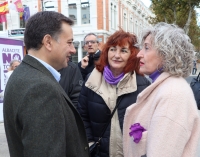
(71, 39)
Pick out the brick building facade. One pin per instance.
(102, 17)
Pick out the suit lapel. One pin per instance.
(39, 66)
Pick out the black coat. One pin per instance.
(71, 81)
(91, 64)
(95, 113)
(39, 118)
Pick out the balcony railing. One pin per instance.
(134, 6)
(128, 2)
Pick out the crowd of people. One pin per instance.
(55, 108)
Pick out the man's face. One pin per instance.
(91, 44)
(62, 48)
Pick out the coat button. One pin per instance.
(86, 148)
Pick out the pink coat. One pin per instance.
(168, 112)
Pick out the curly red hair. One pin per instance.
(120, 38)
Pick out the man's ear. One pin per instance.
(47, 42)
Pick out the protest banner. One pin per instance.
(9, 49)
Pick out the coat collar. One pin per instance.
(37, 65)
(145, 93)
(97, 83)
(34, 63)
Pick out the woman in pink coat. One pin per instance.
(164, 121)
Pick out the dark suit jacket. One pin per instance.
(71, 81)
(39, 118)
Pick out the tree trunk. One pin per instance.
(166, 19)
(175, 17)
(187, 25)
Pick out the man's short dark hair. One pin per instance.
(41, 24)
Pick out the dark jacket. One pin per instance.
(91, 64)
(95, 112)
(71, 81)
(39, 118)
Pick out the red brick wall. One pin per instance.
(107, 15)
(59, 6)
(99, 14)
(39, 5)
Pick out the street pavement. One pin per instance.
(4, 147)
(3, 142)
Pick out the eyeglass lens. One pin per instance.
(90, 41)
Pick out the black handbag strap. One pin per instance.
(198, 77)
(107, 124)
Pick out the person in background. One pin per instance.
(39, 118)
(164, 121)
(115, 79)
(91, 45)
(194, 70)
(71, 80)
(13, 64)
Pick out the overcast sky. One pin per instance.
(146, 2)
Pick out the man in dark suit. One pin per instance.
(39, 118)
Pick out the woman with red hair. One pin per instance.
(115, 80)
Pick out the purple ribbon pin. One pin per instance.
(136, 132)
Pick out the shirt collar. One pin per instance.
(53, 71)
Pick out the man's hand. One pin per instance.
(84, 62)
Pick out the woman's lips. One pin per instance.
(141, 63)
(115, 61)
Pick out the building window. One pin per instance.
(84, 52)
(75, 56)
(111, 14)
(131, 24)
(85, 13)
(1, 27)
(115, 17)
(22, 21)
(125, 22)
(49, 5)
(136, 28)
(73, 12)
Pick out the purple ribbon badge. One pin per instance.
(136, 132)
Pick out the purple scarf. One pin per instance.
(108, 76)
(155, 74)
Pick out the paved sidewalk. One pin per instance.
(3, 142)
(4, 147)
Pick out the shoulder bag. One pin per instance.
(94, 148)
